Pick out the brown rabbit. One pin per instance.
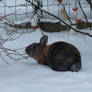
(60, 56)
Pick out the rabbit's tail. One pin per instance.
(75, 67)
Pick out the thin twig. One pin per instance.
(66, 14)
(82, 10)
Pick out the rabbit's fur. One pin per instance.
(60, 56)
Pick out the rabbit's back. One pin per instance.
(62, 56)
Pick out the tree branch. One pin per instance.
(69, 26)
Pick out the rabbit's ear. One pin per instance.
(43, 41)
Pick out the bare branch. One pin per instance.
(76, 30)
(82, 10)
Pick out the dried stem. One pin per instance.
(66, 14)
(82, 10)
(15, 55)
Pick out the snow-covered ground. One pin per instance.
(29, 76)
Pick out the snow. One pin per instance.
(29, 76)
(32, 77)
(34, 21)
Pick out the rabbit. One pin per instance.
(60, 56)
